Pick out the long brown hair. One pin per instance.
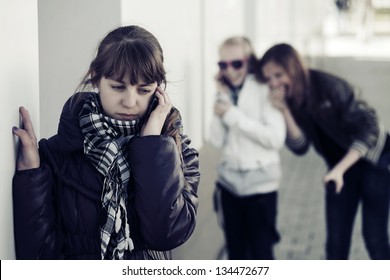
(288, 58)
(133, 51)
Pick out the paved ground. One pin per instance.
(301, 202)
(300, 217)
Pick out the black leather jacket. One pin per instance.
(57, 207)
(331, 108)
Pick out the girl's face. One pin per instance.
(233, 64)
(123, 101)
(277, 77)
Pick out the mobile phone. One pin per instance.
(225, 81)
(153, 104)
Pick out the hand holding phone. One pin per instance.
(153, 104)
(159, 108)
(224, 80)
(223, 83)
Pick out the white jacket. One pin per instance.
(252, 133)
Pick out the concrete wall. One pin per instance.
(19, 86)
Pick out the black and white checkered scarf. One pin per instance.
(105, 142)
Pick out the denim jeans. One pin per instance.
(249, 225)
(370, 186)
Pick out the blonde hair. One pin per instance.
(239, 41)
(246, 44)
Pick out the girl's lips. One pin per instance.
(127, 117)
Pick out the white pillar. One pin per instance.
(19, 86)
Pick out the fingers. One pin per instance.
(22, 134)
(220, 108)
(279, 92)
(158, 116)
(278, 99)
(339, 185)
(28, 156)
(163, 97)
(26, 133)
(26, 121)
(333, 184)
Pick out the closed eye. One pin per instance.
(145, 89)
(118, 87)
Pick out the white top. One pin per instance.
(251, 135)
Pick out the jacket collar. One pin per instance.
(70, 137)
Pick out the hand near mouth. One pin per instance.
(278, 97)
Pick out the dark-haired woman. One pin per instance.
(322, 109)
(119, 179)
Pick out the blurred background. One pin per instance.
(46, 47)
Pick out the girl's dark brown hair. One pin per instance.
(288, 58)
(133, 52)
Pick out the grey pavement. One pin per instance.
(301, 220)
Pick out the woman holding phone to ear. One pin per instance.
(250, 132)
(119, 179)
(322, 109)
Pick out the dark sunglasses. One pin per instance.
(236, 64)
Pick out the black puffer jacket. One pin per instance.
(57, 207)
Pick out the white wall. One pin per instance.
(69, 32)
(19, 86)
(290, 21)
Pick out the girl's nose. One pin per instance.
(129, 99)
(273, 83)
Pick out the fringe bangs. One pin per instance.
(136, 62)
